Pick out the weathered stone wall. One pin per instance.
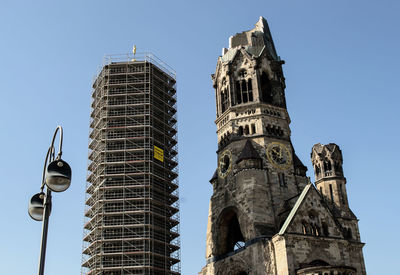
(306, 249)
(256, 259)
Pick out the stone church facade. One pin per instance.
(265, 215)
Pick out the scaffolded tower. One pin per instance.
(132, 218)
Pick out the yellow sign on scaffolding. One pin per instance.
(158, 153)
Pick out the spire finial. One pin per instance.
(134, 52)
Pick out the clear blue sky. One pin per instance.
(342, 71)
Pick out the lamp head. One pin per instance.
(58, 175)
(36, 206)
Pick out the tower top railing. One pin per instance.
(138, 57)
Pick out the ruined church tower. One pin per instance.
(265, 215)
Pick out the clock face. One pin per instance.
(224, 163)
(279, 155)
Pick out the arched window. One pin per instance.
(224, 100)
(327, 166)
(240, 133)
(229, 233)
(243, 88)
(246, 130)
(238, 92)
(250, 89)
(253, 128)
(245, 95)
(317, 169)
(266, 88)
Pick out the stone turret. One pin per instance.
(327, 161)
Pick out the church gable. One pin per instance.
(310, 216)
(242, 60)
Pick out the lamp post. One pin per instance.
(56, 177)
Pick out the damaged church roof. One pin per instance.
(254, 42)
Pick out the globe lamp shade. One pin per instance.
(58, 175)
(36, 206)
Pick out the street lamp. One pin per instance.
(56, 177)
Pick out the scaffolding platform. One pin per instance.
(132, 194)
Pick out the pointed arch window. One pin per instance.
(224, 100)
(327, 168)
(244, 88)
(317, 169)
(250, 89)
(238, 92)
(266, 88)
(245, 95)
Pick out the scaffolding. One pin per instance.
(132, 200)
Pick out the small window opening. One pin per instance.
(250, 89)
(238, 93)
(224, 101)
(266, 88)
(240, 133)
(325, 229)
(317, 170)
(246, 130)
(349, 234)
(327, 166)
(253, 128)
(244, 91)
